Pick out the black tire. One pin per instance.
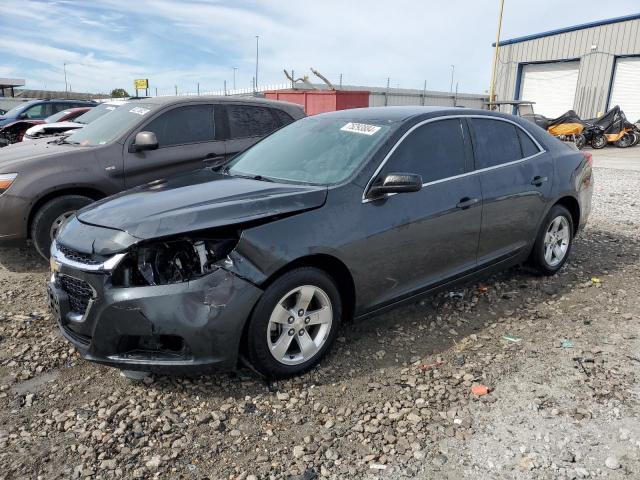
(50, 212)
(258, 351)
(599, 141)
(537, 258)
(624, 141)
(580, 141)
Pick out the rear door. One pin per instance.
(516, 177)
(248, 124)
(186, 141)
(423, 238)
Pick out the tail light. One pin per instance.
(588, 157)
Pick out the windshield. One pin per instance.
(96, 112)
(16, 110)
(57, 116)
(107, 128)
(314, 150)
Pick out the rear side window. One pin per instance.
(435, 150)
(250, 121)
(495, 142)
(189, 124)
(528, 147)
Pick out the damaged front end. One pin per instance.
(169, 305)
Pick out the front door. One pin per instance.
(423, 238)
(186, 141)
(516, 177)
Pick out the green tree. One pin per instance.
(119, 93)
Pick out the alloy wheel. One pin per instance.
(556, 241)
(299, 325)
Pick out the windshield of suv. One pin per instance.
(313, 150)
(107, 128)
(17, 109)
(97, 112)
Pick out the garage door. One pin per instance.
(551, 85)
(626, 87)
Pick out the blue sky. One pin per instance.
(108, 43)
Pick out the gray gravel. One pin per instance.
(393, 400)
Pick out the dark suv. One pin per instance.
(43, 183)
(41, 109)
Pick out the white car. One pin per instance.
(50, 129)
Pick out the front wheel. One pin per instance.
(599, 141)
(553, 242)
(294, 323)
(50, 216)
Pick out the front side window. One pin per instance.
(37, 111)
(313, 150)
(250, 121)
(495, 142)
(435, 151)
(183, 125)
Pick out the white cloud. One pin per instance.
(108, 43)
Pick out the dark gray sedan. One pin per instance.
(335, 216)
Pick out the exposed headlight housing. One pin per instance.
(172, 261)
(6, 180)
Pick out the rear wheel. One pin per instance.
(48, 219)
(624, 141)
(553, 242)
(580, 141)
(294, 323)
(599, 141)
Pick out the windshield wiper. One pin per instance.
(247, 175)
(63, 140)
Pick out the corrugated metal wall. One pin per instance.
(596, 65)
(381, 99)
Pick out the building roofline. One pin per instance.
(581, 26)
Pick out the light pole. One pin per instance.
(257, 40)
(64, 66)
(234, 77)
(453, 69)
(495, 54)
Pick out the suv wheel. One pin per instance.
(553, 242)
(48, 219)
(294, 323)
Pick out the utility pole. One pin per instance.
(234, 77)
(386, 93)
(453, 69)
(424, 93)
(341, 81)
(495, 55)
(66, 91)
(198, 88)
(257, 40)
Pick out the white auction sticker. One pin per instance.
(362, 128)
(139, 110)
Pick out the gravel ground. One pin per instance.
(393, 400)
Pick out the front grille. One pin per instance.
(79, 293)
(79, 257)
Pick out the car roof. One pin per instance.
(403, 113)
(215, 98)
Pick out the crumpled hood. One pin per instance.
(54, 127)
(196, 201)
(12, 156)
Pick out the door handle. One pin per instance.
(538, 180)
(467, 202)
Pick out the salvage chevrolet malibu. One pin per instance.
(335, 216)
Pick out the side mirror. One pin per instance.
(145, 141)
(395, 183)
